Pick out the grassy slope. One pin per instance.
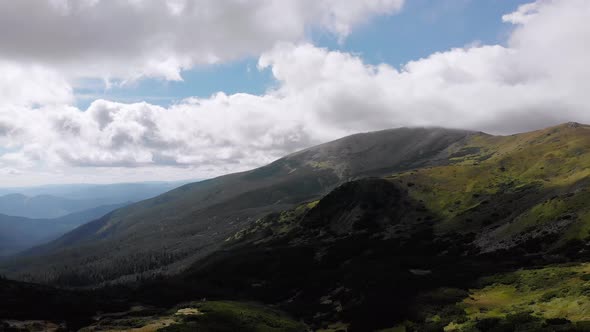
(512, 184)
(548, 299)
(205, 316)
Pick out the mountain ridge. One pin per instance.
(166, 234)
(190, 222)
(54, 201)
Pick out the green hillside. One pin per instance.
(552, 298)
(512, 189)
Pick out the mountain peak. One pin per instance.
(568, 128)
(571, 125)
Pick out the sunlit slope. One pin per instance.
(552, 298)
(514, 189)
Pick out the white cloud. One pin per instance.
(523, 14)
(538, 79)
(27, 85)
(142, 38)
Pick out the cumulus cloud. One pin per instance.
(522, 14)
(143, 38)
(539, 78)
(28, 85)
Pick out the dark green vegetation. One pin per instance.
(32, 307)
(409, 229)
(23, 302)
(205, 316)
(232, 316)
(360, 255)
(547, 299)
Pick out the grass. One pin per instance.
(207, 316)
(334, 327)
(553, 298)
(526, 180)
(543, 296)
(133, 324)
(274, 225)
(235, 316)
(570, 207)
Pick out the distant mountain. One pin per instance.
(19, 233)
(59, 200)
(133, 191)
(172, 230)
(44, 206)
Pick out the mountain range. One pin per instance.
(419, 229)
(55, 201)
(20, 233)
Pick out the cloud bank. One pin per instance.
(539, 78)
(131, 39)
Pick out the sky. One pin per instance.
(97, 91)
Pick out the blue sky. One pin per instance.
(421, 28)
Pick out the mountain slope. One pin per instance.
(522, 190)
(373, 252)
(19, 233)
(365, 244)
(432, 245)
(178, 227)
